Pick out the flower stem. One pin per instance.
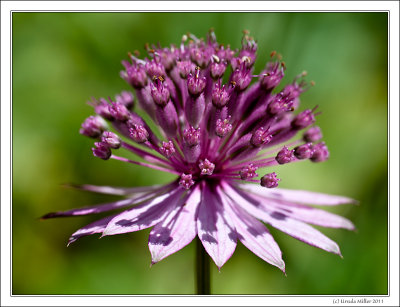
(202, 269)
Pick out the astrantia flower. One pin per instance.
(217, 139)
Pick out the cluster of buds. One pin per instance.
(235, 125)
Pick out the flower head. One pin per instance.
(216, 139)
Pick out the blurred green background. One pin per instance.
(60, 60)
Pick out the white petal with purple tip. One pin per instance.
(306, 214)
(92, 228)
(143, 216)
(254, 235)
(215, 228)
(115, 190)
(176, 231)
(292, 227)
(298, 196)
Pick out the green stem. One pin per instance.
(202, 269)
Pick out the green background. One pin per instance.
(60, 60)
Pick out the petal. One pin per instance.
(294, 228)
(214, 228)
(145, 215)
(102, 207)
(306, 213)
(298, 196)
(91, 209)
(176, 231)
(95, 227)
(114, 190)
(254, 235)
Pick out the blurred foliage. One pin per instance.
(60, 60)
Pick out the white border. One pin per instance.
(6, 7)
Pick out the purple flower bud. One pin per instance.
(185, 68)
(126, 98)
(93, 126)
(217, 70)
(186, 181)
(119, 111)
(320, 153)
(111, 139)
(138, 133)
(220, 95)
(304, 151)
(241, 77)
(206, 167)
(160, 93)
(313, 134)
(167, 57)
(167, 149)
(195, 83)
(154, 68)
(269, 180)
(272, 76)
(304, 119)
(248, 172)
(248, 51)
(191, 136)
(101, 107)
(284, 156)
(225, 54)
(135, 75)
(201, 56)
(260, 137)
(223, 127)
(101, 151)
(280, 104)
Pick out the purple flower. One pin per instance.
(216, 139)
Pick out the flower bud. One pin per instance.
(101, 151)
(304, 151)
(313, 134)
(220, 95)
(186, 181)
(93, 126)
(111, 139)
(320, 153)
(303, 120)
(206, 167)
(269, 180)
(196, 84)
(191, 136)
(160, 93)
(125, 98)
(119, 111)
(138, 133)
(284, 156)
(248, 172)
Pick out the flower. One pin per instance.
(217, 138)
